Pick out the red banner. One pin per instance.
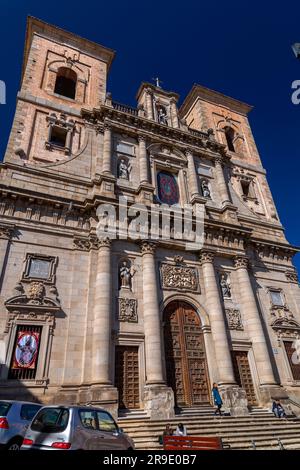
(25, 355)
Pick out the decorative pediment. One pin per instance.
(37, 296)
(167, 154)
(286, 323)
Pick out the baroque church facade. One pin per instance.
(138, 323)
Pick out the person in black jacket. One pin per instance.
(278, 409)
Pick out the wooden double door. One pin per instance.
(127, 376)
(186, 365)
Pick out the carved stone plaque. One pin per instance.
(128, 310)
(183, 278)
(234, 319)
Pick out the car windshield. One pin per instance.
(4, 407)
(28, 411)
(51, 420)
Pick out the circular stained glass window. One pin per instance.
(168, 192)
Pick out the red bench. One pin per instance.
(192, 443)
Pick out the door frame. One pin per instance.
(133, 339)
(246, 346)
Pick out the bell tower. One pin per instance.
(62, 74)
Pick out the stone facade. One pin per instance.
(65, 157)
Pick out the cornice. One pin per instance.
(155, 89)
(199, 141)
(212, 96)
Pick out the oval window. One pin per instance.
(168, 192)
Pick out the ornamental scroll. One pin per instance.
(184, 278)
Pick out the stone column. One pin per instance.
(192, 175)
(174, 113)
(6, 232)
(158, 398)
(253, 323)
(217, 321)
(144, 178)
(107, 149)
(222, 185)
(149, 104)
(102, 316)
(152, 323)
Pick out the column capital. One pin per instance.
(188, 152)
(206, 256)
(6, 231)
(104, 243)
(292, 276)
(141, 138)
(148, 247)
(241, 261)
(107, 126)
(149, 91)
(219, 160)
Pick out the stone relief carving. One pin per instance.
(128, 310)
(234, 319)
(184, 278)
(37, 295)
(36, 292)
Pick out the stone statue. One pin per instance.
(225, 286)
(205, 189)
(125, 275)
(162, 115)
(123, 169)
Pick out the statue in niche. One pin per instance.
(123, 169)
(162, 115)
(126, 275)
(225, 286)
(205, 189)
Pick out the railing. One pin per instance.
(124, 108)
(197, 133)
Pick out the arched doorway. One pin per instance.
(186, 365)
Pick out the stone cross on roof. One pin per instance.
(157, 82)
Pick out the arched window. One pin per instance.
(65, 84)
(168, 191)
(229, 134)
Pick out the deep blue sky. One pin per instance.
(240, 48)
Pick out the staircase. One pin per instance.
(258, 430)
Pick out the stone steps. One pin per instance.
(260, 426)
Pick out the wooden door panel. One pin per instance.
(243, 375)
(127, 376)
(185, 355)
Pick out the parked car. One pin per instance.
(75, 428)
(15, 416)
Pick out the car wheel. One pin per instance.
(14, 445)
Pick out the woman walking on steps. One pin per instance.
(217, 399)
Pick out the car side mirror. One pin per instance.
(120, 430)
